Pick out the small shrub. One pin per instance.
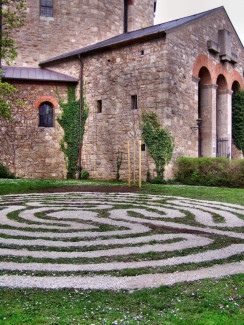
(119, 160)
(149, 178)
(85, 174)
(158, 180)
(211, 172)
(4, 173)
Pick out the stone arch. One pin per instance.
(43, 99)
(204, 76)
(235, 86)
(222, 82)
(236, 77)
(203, 61)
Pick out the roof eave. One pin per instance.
(83, 52)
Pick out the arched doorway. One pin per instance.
(206, 114)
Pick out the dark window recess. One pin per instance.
(46, 115)
(125, 16)
(143, 147)
(134, 102)
(99, 106)
(155, 6)
(142, 52)
(46, 8)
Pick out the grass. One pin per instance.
(205, 302)
(222, 194)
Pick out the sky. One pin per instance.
(173, 9)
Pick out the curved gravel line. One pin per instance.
(212, 255)
(72, 214)
(97, 242)
(189, 242)
(118, 283)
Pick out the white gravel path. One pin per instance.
(82, 214)
(211, 255)
(118, 283)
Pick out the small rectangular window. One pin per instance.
(143, 147)
(99, 106)
(134, 102)
(46, 8)
(125, 16)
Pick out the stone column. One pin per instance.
(224, 120)
(208, 115)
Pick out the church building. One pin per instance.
(184, 70)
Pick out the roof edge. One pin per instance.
(102, 46)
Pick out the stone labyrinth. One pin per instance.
(116, 241)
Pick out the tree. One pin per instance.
(238, 120)
(11, 17)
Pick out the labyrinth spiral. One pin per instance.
(116, 241)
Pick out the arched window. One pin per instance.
(46, 115)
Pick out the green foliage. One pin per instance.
(7, 92)
(11, 12)
(11, 17)
(84, 174)
(69, 121)
(118, 163)
(4, 173)
(158, 141)
(238, 120)
(208, 302)
(211, 172)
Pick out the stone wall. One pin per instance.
(185, 46)
(75, 24)
(27, 149)
(162, 73)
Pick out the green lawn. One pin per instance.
(223, 194)
(204, 302)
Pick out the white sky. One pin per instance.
(173, 9)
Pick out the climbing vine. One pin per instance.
(158, 141)
(238, 120)
(69, 121)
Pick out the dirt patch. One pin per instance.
(102, 189)
(179, 230)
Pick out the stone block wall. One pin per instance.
(75, 24)
(161, 73)
(29, 150)
(186, 45)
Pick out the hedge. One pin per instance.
(210, 171)
(4, 173)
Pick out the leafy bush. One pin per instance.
(70, 122)
(85, 174)
(211, 172)
(4, 173)
(158, 141)
(238, 120)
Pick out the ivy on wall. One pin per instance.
(158, 141)
(238, 120)
(69, 121)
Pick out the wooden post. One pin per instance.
(128, 163)
(134, 163)
(140, 163)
